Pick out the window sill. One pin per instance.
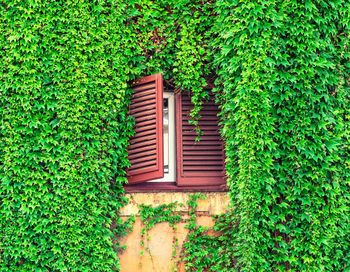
(156, 187)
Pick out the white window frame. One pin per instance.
(170, 176)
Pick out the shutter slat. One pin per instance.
(206, 132)
(142, 109)
(203, 162)
(145, 158)
(142, 92)
(143, 95)
(140, 128)
(201, 143)
(138, 144)
(213, 138)
(142, 99)
(144, 152)
(203, 113)
(144, 123)
(141, 149)
(146, 113)
(209, 108)
(145, 135)
(141, 168)
(186, 126)
(137, 96)
(203, 118)
(194, 168)
(142, 105)
(140, 87)
(146, 146)
(143, 118)
(200, 147)
(199, 158)
(203, 152)
(203, 122)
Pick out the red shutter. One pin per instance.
(199, 163)
(146, 147)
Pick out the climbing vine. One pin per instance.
(283, 81)
(204, 248)
(150, 216)
(64, 130)
(200, 249)
(281, 75)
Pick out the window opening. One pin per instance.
(166, 134)
(168, 137)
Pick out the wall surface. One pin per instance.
(159, 256)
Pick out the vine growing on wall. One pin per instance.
(204, 248)
(150, 216)
(283, 81)
(281, 72)
(199, 251)
(64, 130)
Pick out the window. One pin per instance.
(169, 158)
(163, 152)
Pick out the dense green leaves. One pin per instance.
(64, 133)
(282, 80)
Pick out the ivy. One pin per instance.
(281, 73)
(283, 83)
(199, 249)
(150, 216)
(162, 213)
(64, 130)
(209, 249)
(204, 249)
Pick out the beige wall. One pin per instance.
(159, 258)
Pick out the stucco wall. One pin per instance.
(159, 258)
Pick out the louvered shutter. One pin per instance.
(199, 163)
(146, 147)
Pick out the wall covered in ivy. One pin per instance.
(64, 133)
(284, 73)
(281, 75)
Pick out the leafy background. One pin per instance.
(281, 71)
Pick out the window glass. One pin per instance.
(168, 137)
(166, 134)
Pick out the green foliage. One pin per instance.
(199, 249)
(209, 249)
(282, 80)
(64, 131)
(173, 37)
(283, 70)
(163, 213)
(151, 216)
